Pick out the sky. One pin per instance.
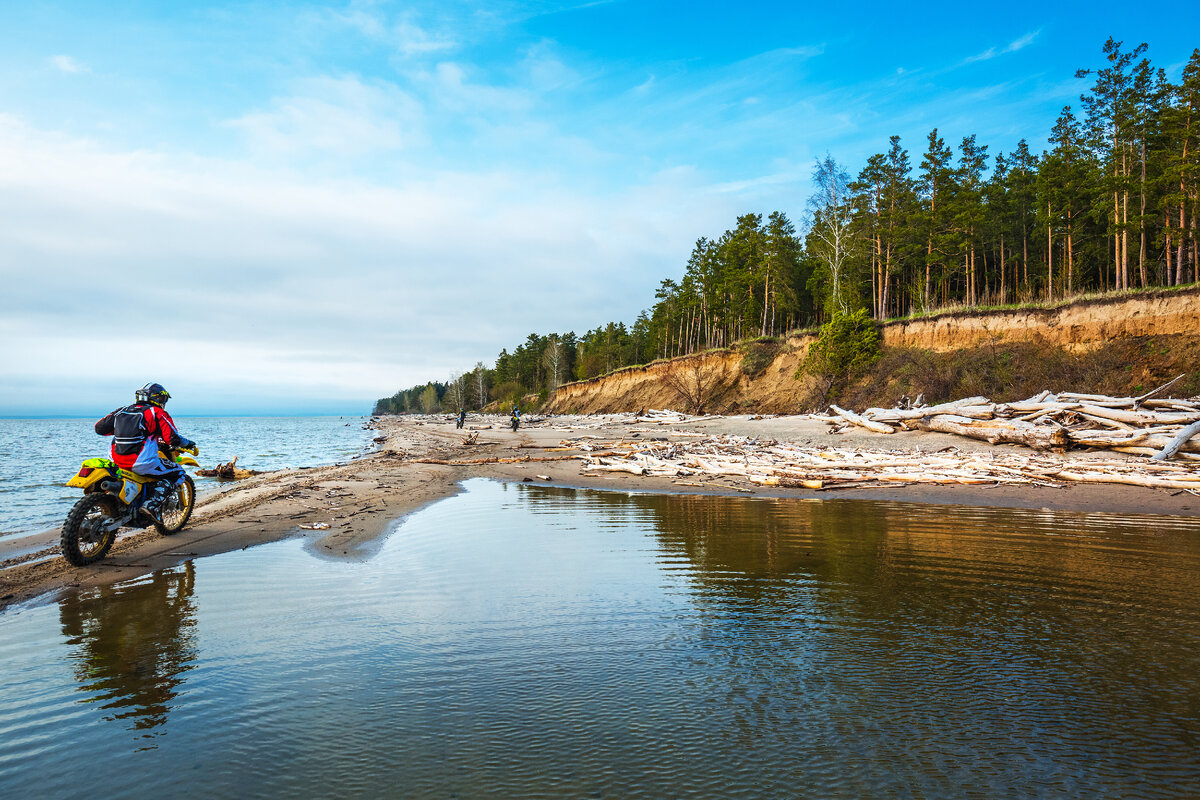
(278, 207)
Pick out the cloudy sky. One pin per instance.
(300, 207)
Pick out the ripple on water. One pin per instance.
(536, 642)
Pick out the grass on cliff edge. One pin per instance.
(1008, 372)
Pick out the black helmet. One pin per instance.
(153, 393)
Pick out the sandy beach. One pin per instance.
(361, 502)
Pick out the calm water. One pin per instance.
(37, 456)
(530, 642)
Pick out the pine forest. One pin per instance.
(1111, 205)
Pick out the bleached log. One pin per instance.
(1026, 406)
(1108, 423)
(1137, 401)
(975, 407)
(1178, 442)
(1039, 437)
(870, 425)
(1151, 451)
(1094, 398)
(630, 468)
(1140, 417)
(1129, 479)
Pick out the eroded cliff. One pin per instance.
(1112, 344)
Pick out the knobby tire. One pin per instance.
(89, 553)
(185, 494)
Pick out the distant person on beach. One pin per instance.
(138, 432)
(462, 417)
(516, 417)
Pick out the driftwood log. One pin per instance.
(229, 471)
(1178, 442)
(1039, 437)
(774, 463)
(1162, 428)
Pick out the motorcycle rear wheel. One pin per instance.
(177, 508)
(83, 539)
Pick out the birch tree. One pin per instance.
(830, 238)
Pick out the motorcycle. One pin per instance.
(515, 422)
(112, 499)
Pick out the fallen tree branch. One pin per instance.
(1179, 441)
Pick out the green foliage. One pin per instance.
(963, 229)
(429, 400)
(757, 354)
(848, 345)
(507, 393)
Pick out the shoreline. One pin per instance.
(365, 499)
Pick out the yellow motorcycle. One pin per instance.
(112, 499)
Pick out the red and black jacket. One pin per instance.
(131, 426)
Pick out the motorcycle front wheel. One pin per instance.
(177, 508)
(86, 536)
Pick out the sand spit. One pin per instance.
(361, 501)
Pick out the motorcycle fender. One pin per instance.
(85, 482)
(187, 461)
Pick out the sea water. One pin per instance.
(523, 641)
(38, 456)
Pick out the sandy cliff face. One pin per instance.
(727, 387)
(1078, 327)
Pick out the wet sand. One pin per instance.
(364, 500)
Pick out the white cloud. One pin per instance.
(218, 274)
(450, 86)
(1012, 47)
(341, 115)
(68, 65)
(403, 36)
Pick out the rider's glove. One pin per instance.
(188, 444)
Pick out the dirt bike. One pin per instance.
(515, 422)
(112, 499)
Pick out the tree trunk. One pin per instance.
(1070, 262)
(1049, 257)
(1003, 295)
(1142, 217)
(928, 256)
(1180, 269)
(1125, 224)
(1025, 253)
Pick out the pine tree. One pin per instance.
(936, 187)
(1110, 120)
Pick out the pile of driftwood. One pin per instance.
(229, 471)
(1161, 429)
(774, 463)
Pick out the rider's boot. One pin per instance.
(156, 494)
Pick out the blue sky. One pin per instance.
(301, 207)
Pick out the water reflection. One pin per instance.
(132, 643)
(519, 641)
(1020, 617)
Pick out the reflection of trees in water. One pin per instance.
(759, 548)
(133, 643)
(999, 583)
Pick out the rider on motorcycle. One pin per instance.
(138, 432)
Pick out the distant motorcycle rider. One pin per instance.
(138, 432)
